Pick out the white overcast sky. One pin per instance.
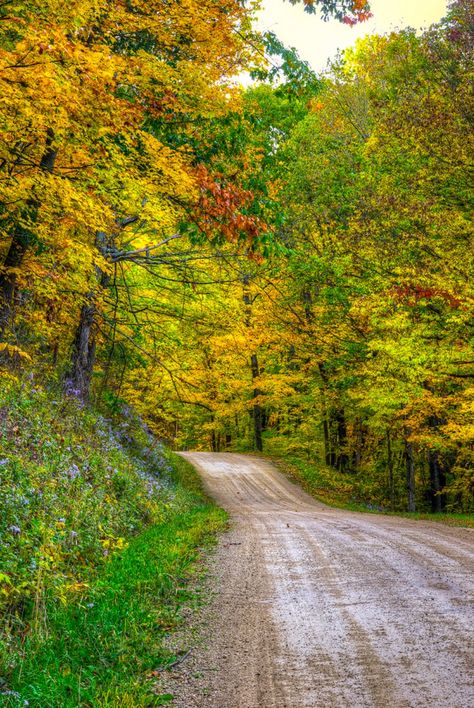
(318, 41)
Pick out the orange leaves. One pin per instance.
(361, 10)
(360, 13)
(120, 87)
(315, 105)
(222, 209)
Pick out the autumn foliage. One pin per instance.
(351, 344)
(285, 267)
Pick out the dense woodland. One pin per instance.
(185, 263)
(284, 268)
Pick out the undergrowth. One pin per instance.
(346, 491)
(100, 534)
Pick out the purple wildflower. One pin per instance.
(71, 390)
(73, 471)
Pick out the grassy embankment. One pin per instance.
(346, 492)
(101, 538)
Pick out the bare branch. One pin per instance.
(116, 256)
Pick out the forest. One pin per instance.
(284, 268)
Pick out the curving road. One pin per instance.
(321, 608)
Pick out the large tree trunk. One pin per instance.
(410, 475)
(13, 259)
(437, 481)
(83, 356)
(437, 473)
(391, 481)
(257, 412)
(327, 440)
(328, 449)
(22, 237)
(213, 438)
(342, 460)
(78, 379)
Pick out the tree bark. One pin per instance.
(213, 440)
(438, 501)
(22, 238)
(257, 413)
(328, 453)
(83, 357)
(410, 475)
(437, 473)
(78, 380)
(342, 457)
(327, 442)
(391, 485)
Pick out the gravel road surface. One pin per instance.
(320, 608)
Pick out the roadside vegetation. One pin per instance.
(101, 534)
(354, 493)
(285, 268)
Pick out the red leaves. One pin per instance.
(221, 209)
(360, 13)
(412, 294)
(358, 8)
(356, 18)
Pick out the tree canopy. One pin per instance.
(286, 267)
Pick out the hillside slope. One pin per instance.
(100, 533)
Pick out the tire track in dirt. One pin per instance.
(321, 608)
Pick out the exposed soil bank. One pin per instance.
(319, 607)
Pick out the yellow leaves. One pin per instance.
(315, 105)
(13, 351)
(460, 427)
(7, 378)
(50, 555)
(68, 589)
(76, 586)
(12, 271)
(82, 84)
(167, 169)
(113, 544)
(5, 584)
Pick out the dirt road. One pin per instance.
(318, 608)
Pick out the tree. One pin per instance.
(348, 11)
(100, 110)
(363, 351)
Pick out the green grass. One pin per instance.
(340, 491)
(75, 487)
(106, 649)
(102, 534)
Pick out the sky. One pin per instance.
(318, 41)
